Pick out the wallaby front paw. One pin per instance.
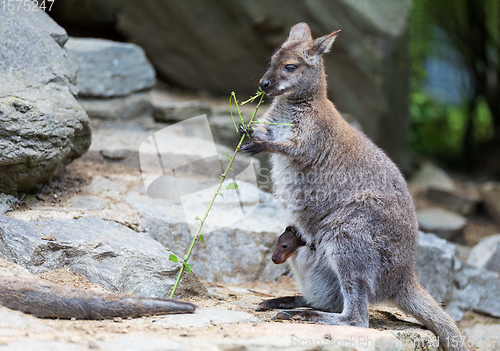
(245, 129)
(252, 148)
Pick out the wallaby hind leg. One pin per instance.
(355, 312)
(282, 302)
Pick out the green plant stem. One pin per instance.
(209, 207)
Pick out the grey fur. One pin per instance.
(343, 194)
(49, 300)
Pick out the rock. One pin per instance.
(92, 203)
(430, 176)
(127, 107)
(186, 147)
(108, 69)
(206, 316)
(462, 204)
(436, 261)
(10, 269)
(41, 21)
(238, 241)
(444, 224)
(176, 111)
(106, 253)
(486, 254)
(491, 197)
(6, 202)
(43, 127)
(220, 53)
(484, 336)
(477, 289)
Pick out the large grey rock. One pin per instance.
(462, 286)
(477, 289)
(491, 197)
(238, 244)
(431, 176)
(43, 127)
(486, 254)
(109, 69)
(106, 253)
(445, 224)
(225, 48)
(436, 261)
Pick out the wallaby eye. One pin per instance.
(290, 68)
(285, 246)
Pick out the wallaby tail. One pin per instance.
(418, 302)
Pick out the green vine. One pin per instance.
(185, 265)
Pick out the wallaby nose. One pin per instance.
(274, 259)
(264, 83)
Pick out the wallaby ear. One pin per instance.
(324, 43)
(300, 31)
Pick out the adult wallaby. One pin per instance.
(342, 193)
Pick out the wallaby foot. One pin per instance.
(324, 318)
(282, 302)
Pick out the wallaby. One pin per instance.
(342, 193)
(49, 300)
(287, 245)
(310, 272)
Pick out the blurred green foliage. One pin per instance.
(472, 29)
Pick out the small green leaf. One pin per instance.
(188, 267)
(173, 258)
(229, 157)
(202, 239)
(197, 218)
(232, 186)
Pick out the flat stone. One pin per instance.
(100, 184)
(431, 176)
(108, 69)
(484, 336)
(106, 253)
(486, 254)
(444, 224)
(175, 111)
(453, 201)
(92, 203)
(206, 316)
(126, 107)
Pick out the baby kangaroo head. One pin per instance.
(297, 64)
